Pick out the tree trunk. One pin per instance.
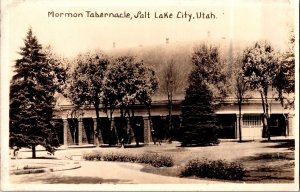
(112, 128)
(265, 120)
(123, 132)
(240, 118)
(151, 124)
(170, 118)
(33, 152)
(133, 127)
(98, 130)
(170, 115)
(264, 112)
(267, 113)
(132, 109)
(112, 125)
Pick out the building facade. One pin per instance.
(79, 130)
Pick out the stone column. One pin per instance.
(80, 131)
(291, 124)
(147, 134)
(66, 129)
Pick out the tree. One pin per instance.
(171, 83)
(198, 117)
(260, 67)
(240, 88)
(32, 90)
(211, 69)
(127, 82)
(284, 81)
(59, 66)
(86, 82)
(73, 115)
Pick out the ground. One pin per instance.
(265, 162)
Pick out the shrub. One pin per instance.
(119, 157)
(33, 167)
(155, 160)
(93, 156)
(28, 171)
(219, 169)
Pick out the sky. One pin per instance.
(240, 20)
(245, 20)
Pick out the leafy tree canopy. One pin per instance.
(210, 69)
(128, 81)
(284, 81)
(86, 79)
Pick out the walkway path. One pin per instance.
(103, 172)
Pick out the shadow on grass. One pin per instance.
(73, 180)
(243, 141)
(269, 179)
(166, 171)
(52, 158)
(197, 145)
(270, 156)
(287, 143)
(133, 146)
(119, 146)
(176, 150)
(270, 167)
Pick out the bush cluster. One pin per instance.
(219, 169)
(94, 156)
(155, 160)
(33, 167)
(120, 157)
(28, 171)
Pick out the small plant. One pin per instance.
(219, 169)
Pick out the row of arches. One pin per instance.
(70, 132)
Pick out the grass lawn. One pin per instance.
(265, 162)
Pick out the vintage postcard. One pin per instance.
(175, 95)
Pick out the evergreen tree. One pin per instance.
(32, 98)
(198, 118)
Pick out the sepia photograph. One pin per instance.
(175, 95)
